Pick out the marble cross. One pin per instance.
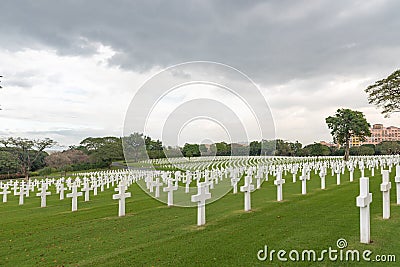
(363, 201)
(385, 189)
(200, 198)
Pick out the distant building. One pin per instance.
(355, 141)
(329, 144)
(379, 133)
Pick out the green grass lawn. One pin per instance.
(154, 235)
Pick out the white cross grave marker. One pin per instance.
(303, 179)
(4, 193)
(43, 194)
(86, 189)
(279, 186)
(74, 195)
(157, 184)
(121, 196)
(200, 198)
(170, 189)
(363, 202)
(397, 180)
(234, 182)
(385, 188)
(61, 190)
(247, 189)
(21, 194)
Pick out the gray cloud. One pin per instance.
(273, 41)
(292, 49)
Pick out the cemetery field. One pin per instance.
(152, 234)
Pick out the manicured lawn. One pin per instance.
(154, 235)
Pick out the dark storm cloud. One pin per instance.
(272, 41)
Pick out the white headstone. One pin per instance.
(121, 196)
(351, 170)
(247, 188)
(170, 189)
(385, 188)
(61, 190)
(234, 182)
(157, 184)
(279, 186)
(188, 181)
(21, 194)
(303, 179)
(397, 180)
(4, 193)
(200, 198)
(363, 201)
(43, 195)
(338, 178)
(322, 175)
(362, 168)
(74, 195)
(86, 189)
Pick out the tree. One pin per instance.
(367, 150)
(203, 150)
(134, 147)
(8, 163)
(363, 150)
(388, 148)
(284, 148)
(296, 148)
(27, 152)
(239, 149)
(223, 149)
(207, 150)
(66, 160)
(268, 147)
(58, 160)
(191, 150)
(76, 156)
(316, 149)
(385, 93)
(255, 148)
(154, 148)
(102, 149)
(345, 124)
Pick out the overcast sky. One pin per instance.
(71, 68)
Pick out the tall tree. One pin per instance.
(316, 149)
(345, 124)
(102, 149)
(8, 162)
(268, 147)
(26, 151)
(385, 93)
(223, 149)
(388, 148)
(255, 148)
(134, 147)
(191, 150)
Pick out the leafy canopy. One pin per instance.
(347, 123)
(385, 93)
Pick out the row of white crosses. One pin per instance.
(338, 167)
(22, 188)
(364, 200)
(210, 178)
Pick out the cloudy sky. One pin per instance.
(72, 68)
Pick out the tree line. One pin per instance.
(23, 157)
